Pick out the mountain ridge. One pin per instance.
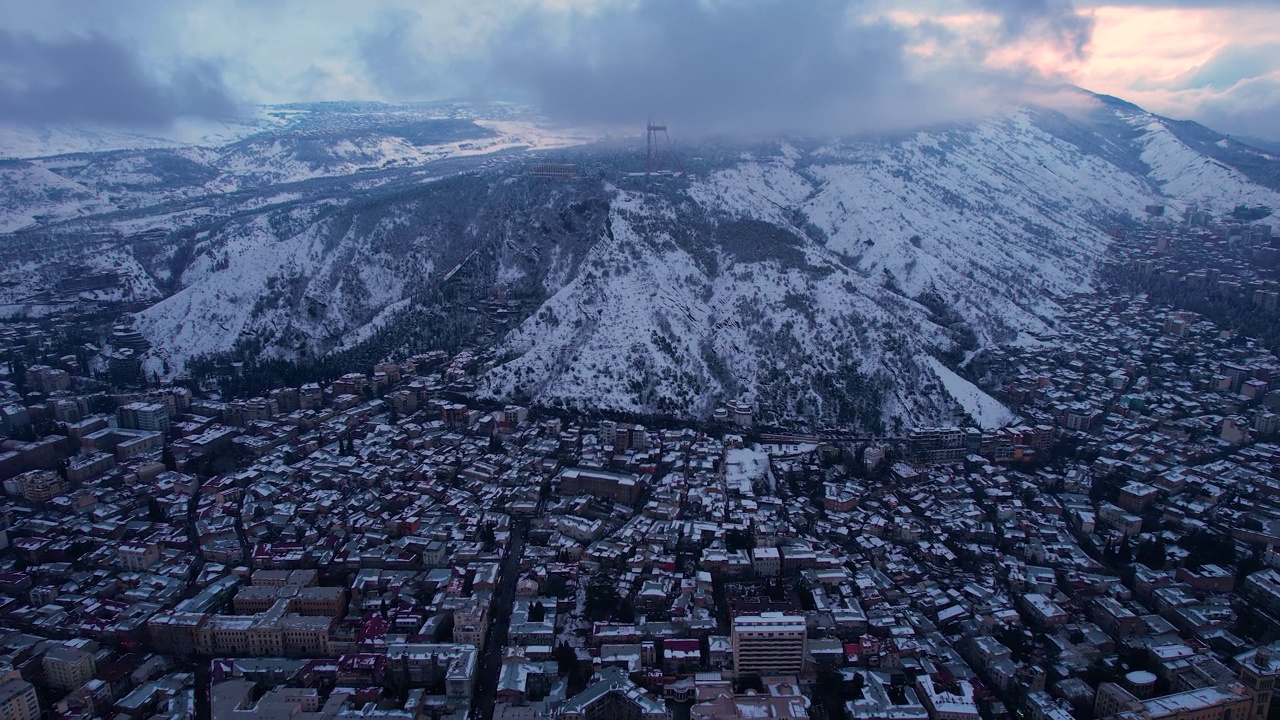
(830, 281)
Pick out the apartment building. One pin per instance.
(771, 643)
(153, 417)
(18, 700)
(618, 487)
(40, 486)
(67, 668)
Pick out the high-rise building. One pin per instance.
(18, 700)
(40, 486)
(45, 379)
(67, 668)
(125, 365)
(771, 643)
(144, 416)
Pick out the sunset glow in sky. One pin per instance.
(854, 64)
(1219, 65)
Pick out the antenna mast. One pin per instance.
(658, 150)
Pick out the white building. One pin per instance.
(67, 668)
(18, 700)
(770, 643)
(138, 556)
(153, 417)
(766, 561)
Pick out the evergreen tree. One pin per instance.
(565, 658)
(18, 373)
(601, 597)
(1152, 553)
(155, 512)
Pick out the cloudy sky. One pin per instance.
(715, 64)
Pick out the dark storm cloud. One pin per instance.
(392, 61)
(757, 65)
(97, 79)
(740, 64)
(1054, 21)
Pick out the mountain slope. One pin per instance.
(818, 283)
(833, 282)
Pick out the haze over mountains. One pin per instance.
(832, 281)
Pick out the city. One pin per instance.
(387, 545)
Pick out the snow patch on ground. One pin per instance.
(744, 466)
(985, 410)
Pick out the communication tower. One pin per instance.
(660, 155)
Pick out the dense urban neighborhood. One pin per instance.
(386, 544)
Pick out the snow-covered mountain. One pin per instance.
(361, 144)
(830, 281)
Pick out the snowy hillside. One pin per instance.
(828, 275)
(29, 193)
(1194, 179)
(21, 141)
(73, 173)
(833, 282)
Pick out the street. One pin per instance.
(500, 621)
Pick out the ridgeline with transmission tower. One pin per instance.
(660, 155)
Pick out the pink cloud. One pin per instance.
(1148, 55)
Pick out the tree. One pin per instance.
(565, 658)
(486, 536)
(739, 540)
(602, 596)
(1152, 553)
(1125, 552)
(18, 373)
(1204, 547)
(626, 612)
(857, 468)
(155, 512)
